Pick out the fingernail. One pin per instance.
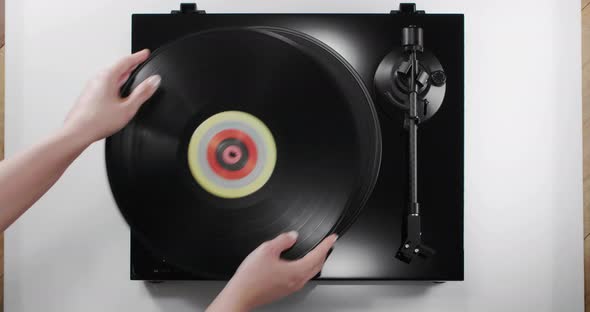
(154, 80)
(293, 235)
(335, 237)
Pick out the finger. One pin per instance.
(283, 242)
(318, 255)
(125, 76)
(143, 92)
(315, 270)
(318, 268)
(127, 63)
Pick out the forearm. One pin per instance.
(98, 113)
(25, 177)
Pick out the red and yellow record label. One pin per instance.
(232, 154)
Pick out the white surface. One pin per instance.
(523, 164)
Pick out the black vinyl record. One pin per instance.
(253, 132)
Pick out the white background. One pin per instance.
(523, 164)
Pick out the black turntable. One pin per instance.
(266, 123)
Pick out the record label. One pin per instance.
(232, 154)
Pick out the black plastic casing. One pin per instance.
(367, 250)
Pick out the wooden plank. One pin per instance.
(1, 103)
(2, 157)
(2, 22)
(586, 114)
(586, 144)
(586, 269)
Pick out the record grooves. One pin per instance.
(255, 131)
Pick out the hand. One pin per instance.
(264, 277)
(100, 111)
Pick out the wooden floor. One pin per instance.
(2, 143)
(2, 157)
(586, 129)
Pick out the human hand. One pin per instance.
(264, 277)
(100, 111)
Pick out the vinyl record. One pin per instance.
(253, 132)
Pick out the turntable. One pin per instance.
(320, 123)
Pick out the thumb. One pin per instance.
(143, 92)
(283, 242)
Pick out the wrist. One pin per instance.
(230, 299)
(74, 138)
